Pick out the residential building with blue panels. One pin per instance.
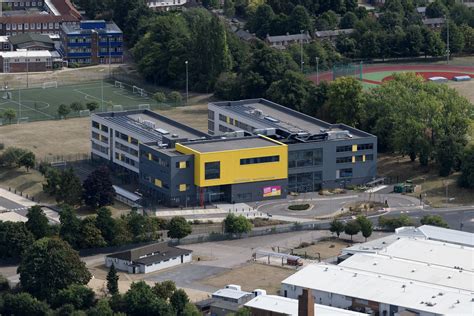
(92, 42)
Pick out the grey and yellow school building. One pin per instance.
(254, 150)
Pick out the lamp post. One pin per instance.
(187, 86)
(447, 38)
(317, 70)
(301, 42)
(110, 55)
(27, 69)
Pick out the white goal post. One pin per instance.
(50, 84)
(119, 84)
(140, 91)
(117, 107)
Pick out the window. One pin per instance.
(369, 157)
(365, 146)
(212, 170)
(340, 149)
(104, 128)
(182, 187)
(345, 173)
(305, 158)
(225, 129)
(210, 115)
(95, 125)
(223, 118)
(256, 160)
(344, 159)
(210, 125)
(359, 158)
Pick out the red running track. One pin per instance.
(327, 76)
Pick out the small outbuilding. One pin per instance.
(149, 258)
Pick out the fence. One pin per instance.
(194, 239)
(347, 70)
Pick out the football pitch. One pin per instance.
(42, 103)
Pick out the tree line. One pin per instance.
(53, 281)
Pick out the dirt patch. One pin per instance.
(322, 249)
(263, 277)
(70, 137)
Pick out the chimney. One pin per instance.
(306, 303)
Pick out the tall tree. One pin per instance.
(299, 20)
(165, 289)
(106, 224)
(112, 281)
(343, 111)
(140, 300)
(37, 222)
(352, 228)
(50, 265)
(366, 226)
(23, 304)
(97, 189)
(237, 224)
(229, 8)
(436, 9)
(466, 179)
(336, 227)
(27, 160)
(78, 295)
(70, 189)
(179, 227)
(90, 235)
(178, 300)
(16, 238)
(70, 227)
(292, 91)
(63, 111)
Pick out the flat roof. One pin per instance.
(432, 252)
(152, 253)
(25, 54)
(273, 115)
(289, 306)
(411, 270)
(73, 29)
(226, 144)
(448, 235)
(150, 125)
(230, 293)
(384, 289)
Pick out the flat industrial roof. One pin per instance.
(448, 235)
(289, 306)
(230, 293)
(384, 289)
(273, 115)
(231, 144)
(26, 54)
(150, 126)
(411, 270)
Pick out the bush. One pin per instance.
(175, 97)
(159, 97)
(2, 146)
(299, 207)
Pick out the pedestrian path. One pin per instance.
(15, 198)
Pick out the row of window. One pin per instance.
(103, 128)
(305, 182)
(100, 148)
(126, 138)
(125, 159)
(350, 148)
(79, 49)
(32, 26)
(210, 115)
(161, 162)
(358, 158)
(126, 149)
(27, 4)
(344, 173)
(112, 49)
(235, 122)
(99, 137)
(305, 158)
(256, 160)
(224, 129)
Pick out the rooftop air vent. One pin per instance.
(162, 131)
(271, 119)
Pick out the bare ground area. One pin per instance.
(71, 137)
(262, 277)
(465, 89)
(433, 187)
(30, 183)
(324, 249)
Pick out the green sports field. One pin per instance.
(36, 104)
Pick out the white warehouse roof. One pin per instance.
(411, 270)
(432, 252)
(384, 289)
(230, 293)
(289, 306)
(25, 54)
(448, 235)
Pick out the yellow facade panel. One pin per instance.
(182, 187)
(149, 157)
(363, 158)
(353, 159)
(158, 183)
(182, 165)
(129, 139)
(354, 148)
(231, 171)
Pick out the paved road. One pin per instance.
(9, 204)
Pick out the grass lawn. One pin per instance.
(30, 183)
